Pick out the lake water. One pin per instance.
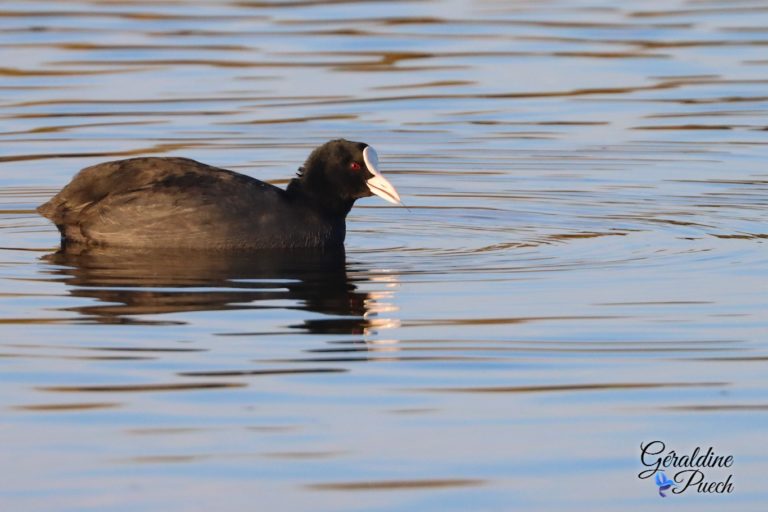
(581, 268)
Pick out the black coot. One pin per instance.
(181, 203)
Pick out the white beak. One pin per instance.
(379, 184)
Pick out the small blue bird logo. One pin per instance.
(663, 483)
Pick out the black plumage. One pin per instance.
(182, 203)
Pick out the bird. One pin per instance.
(663, 483)
(179, 203)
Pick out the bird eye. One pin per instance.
(354, 166)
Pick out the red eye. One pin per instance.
(354, 166)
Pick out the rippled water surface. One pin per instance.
(581, 267)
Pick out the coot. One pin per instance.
(181, 203)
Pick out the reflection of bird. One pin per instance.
(128, 284)
(177, 202)
(663, 483)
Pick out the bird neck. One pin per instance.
(319, 197)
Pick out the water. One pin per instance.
(582, 267)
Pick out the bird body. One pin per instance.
(182, 203)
